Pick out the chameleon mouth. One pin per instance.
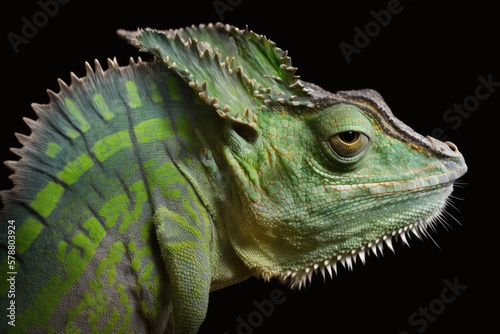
(301, 278)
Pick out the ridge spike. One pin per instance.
(62, 85)
(32, 124)
(16, 151)
(11, 164)
(88, 69)
(22, 139)
(98, 67)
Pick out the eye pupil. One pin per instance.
(349, 137)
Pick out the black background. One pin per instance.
(427, 59)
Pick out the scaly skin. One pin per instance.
(143, 188)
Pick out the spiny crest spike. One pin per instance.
(88, 69)
(348, 262)
(16, 151)
(74, 78)
(38, 108)
(32, 124)
(329, 269)
(380, 246)
(112, 63)
(373, 248)
(22, 139)
(416, 232)
(362, 256)
(52, 95)
(403, 237)
(98, 67)
(388, 242)
(62, 85)
(11, 164)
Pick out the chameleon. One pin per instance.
(143, 188)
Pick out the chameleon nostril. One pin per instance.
(452, 146)
(446, 148)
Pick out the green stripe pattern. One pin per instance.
(89, 187)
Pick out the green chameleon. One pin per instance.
(143, 188)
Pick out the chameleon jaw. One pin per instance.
(298, 279)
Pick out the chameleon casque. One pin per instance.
(143, 188)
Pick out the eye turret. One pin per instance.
(348, 143)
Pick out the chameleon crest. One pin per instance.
(143, 188)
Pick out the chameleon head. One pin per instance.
(316, 178)
(332, 184)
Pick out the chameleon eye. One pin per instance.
(349, 143)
